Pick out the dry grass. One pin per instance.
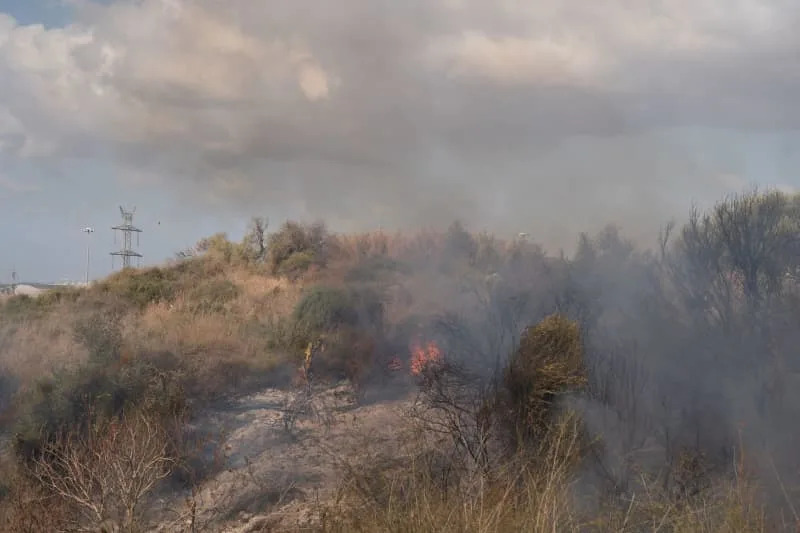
(532, 492)
(33, 349)
(727, 507)
(38, 344)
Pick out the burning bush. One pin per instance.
(424, 355)
(548, 362)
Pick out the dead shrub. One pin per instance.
(106, 473)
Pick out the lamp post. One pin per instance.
(88, 231)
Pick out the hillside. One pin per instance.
(441, 381)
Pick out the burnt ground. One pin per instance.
(278, 456)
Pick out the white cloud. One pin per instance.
(314, 82)
(538, 61)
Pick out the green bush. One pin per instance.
(76, 397)
(293, 238)
(548, 362)
(325, 309)
(349, 321)
(143, 287)
(348, 354)
(375, 268)
(111, 381)
(58, 295)
(25, 306)
(102, 337)
(212, 296)
(20, 305)
(296, 264)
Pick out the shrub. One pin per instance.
(23, 306)
(324, 309)
(58, 295)
(548, 362)
(294, 238)
(108, 384)
(351, 323)
(142, 287)
(212, 296)
(102, 337)
(296, 264)
(348, 354)
(19, 305)
(105, 473)
(375, 268)
(26, 506)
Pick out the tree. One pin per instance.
(255, 240)
(735, 257)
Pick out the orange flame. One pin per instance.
(423, 355)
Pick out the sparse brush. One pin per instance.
(726, 506)
(521, 496)
(26, 506)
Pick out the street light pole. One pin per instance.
(88, 231)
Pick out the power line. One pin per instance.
(128, 229)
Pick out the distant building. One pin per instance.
(34, 289)
(28, 290)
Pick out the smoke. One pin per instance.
(512, 117)
(685, 362)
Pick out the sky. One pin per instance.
(549, 117)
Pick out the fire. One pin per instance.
(423, 355)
